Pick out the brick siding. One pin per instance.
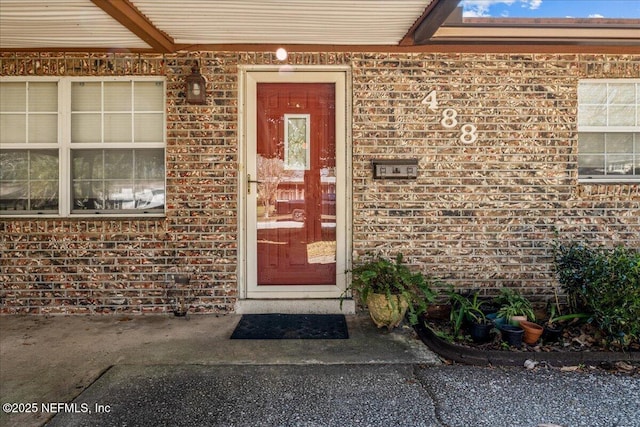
(480, 215)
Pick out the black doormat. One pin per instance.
(291, 326)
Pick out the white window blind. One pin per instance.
(609, 130)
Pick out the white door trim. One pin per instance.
(249, 77)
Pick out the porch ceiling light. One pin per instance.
(282, 54)
(196, 87)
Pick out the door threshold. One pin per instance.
(295, 306)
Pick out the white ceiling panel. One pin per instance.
(172, 25)
(339, 22)
(61, 23)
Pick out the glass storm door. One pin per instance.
(292, 215)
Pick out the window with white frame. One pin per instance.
(29, 147)
(72, 146)
(609, 130)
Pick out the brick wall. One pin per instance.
(483, 215)
(480, 215)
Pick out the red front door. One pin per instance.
(296, 174)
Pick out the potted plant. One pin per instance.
(390, 290)
(512, 335)
(469, 309)
(532, 331)
(514, 307)
(552, 328)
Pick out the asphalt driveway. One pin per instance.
(354, 395)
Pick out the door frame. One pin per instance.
(249, 77)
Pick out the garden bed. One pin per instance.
(563, 354)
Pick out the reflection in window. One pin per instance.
(117, 180)
(29, 180)
(111, 132)
(28, 175)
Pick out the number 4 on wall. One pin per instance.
(431, 101)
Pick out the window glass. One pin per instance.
(117, 96)
(119, 166)
(116, 180)
(43, 97)
(148, 127)
(619, 164)
(29, 180)
(86, 96)
(86, 128)
(43, 128)
(621, 93)
(117, 128)
(592, 115)
(149, 165)
(620, 143)
(118, 122)
(13, 97)
(591, 164)
(43, 179)
(87, 165)
(591, 142)
(13, 128)
(148, 97)
(592, 94)
(609, 129)
(29, 112)
(622, 116)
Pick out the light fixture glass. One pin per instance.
(196, 87)
(281, 54)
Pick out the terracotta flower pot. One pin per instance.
(532, 331)
(387, 313)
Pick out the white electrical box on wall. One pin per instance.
(395, 168)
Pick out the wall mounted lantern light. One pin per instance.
(196, 87)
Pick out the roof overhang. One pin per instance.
(562, 32)
(165, 26)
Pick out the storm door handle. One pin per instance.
(251, 181)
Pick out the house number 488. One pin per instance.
(468, 131)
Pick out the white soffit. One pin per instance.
(61, 23)
(338, 22)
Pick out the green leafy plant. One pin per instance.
(605, 283)
(556, 317)
(571, 266)
(513, 304)
(464, 308)
(382, 276)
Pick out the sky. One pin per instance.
(552, 8)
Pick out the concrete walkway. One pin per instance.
(161, 370)
(53, 359)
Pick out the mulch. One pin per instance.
(580, 348)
